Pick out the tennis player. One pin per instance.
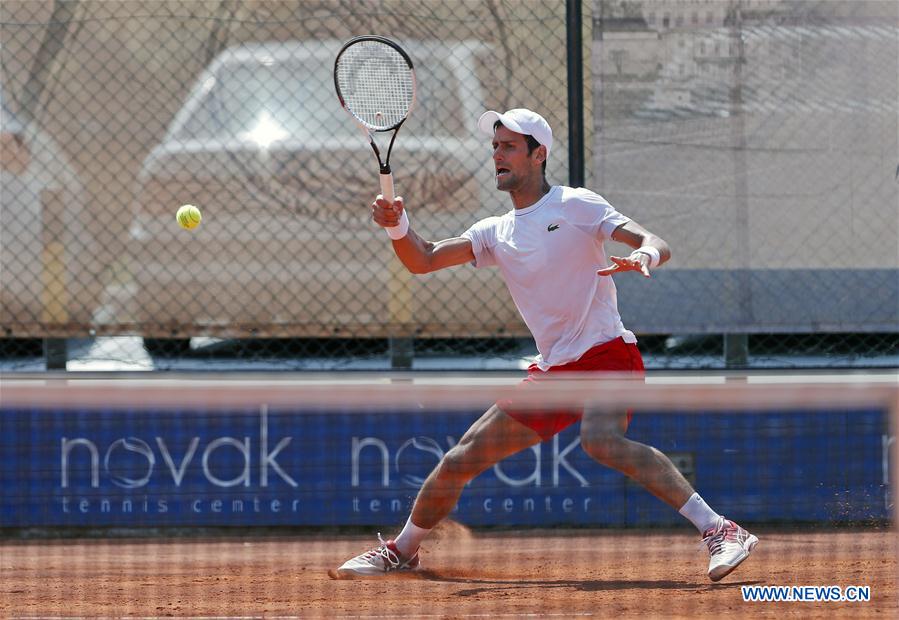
(549, 249)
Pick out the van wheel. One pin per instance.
(167, 347)
(21, 347)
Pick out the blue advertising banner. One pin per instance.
(129, 468)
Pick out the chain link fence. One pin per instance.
(758, 137)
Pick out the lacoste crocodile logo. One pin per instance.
(552, 227)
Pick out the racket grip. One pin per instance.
(387, 187)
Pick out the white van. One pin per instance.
(284, 179)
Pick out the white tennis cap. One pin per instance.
(520, 121)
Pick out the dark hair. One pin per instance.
(532, 144)
(529, 139)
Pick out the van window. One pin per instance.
(293, 98)
(438, 108)
(296, 98)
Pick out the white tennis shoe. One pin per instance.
(383, 559)
(729, 544)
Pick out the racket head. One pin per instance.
(375, 82)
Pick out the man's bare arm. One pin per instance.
(645, 244)
(417, 254)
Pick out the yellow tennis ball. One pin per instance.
(188, 217)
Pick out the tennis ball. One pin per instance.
(188, 216)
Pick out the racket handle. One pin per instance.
(387, 187)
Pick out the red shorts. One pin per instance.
(613, 356)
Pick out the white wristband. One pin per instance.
(399, 231)
(653, 253)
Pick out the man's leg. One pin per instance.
(602, 437)
(493, 437)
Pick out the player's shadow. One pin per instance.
(484, 585)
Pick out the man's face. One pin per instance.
(513, 165)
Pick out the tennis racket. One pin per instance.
(375, 83)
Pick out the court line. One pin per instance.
(581, 614)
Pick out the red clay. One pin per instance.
(538, 572)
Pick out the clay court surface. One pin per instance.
(535, 573)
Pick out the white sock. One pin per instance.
(699, 513)
(410, 538)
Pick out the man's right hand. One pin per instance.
(386, 214)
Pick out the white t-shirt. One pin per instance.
(548, 254)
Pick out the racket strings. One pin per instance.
(376, 83)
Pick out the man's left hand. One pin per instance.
(637, 261)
